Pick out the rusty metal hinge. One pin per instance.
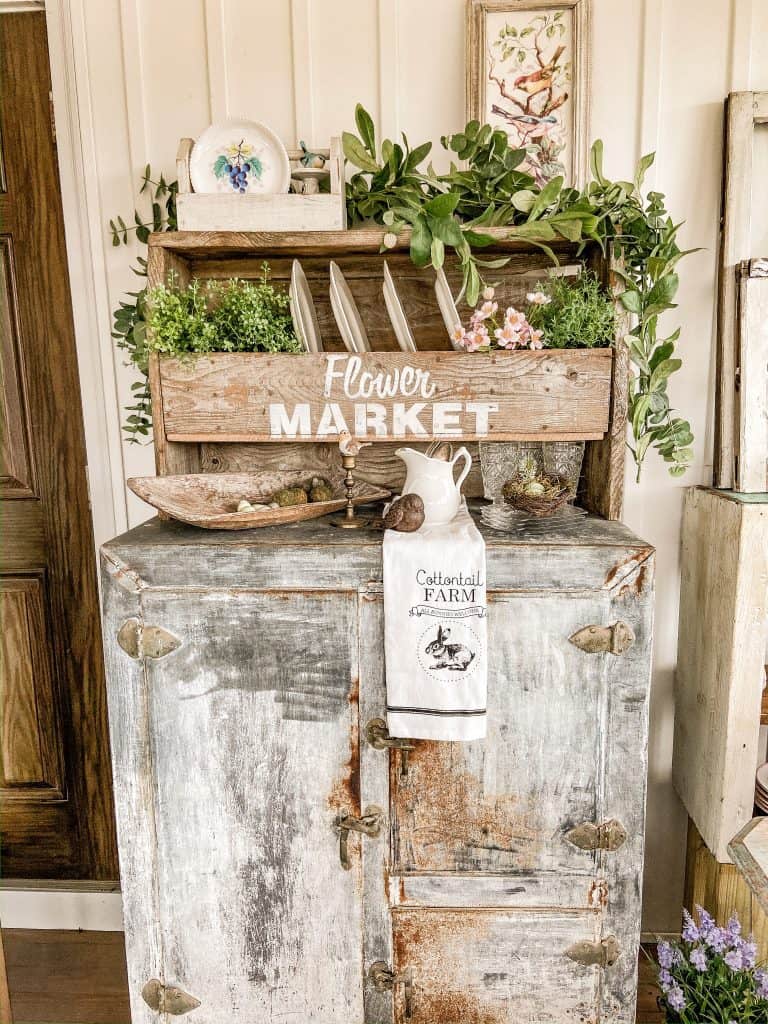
(141, 641)
(615, 639)
(608, 835)
(168, 998)
(384, 979)
(604, 953)
(377, 735)
(368, 825)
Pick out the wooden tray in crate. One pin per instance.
(223, 412)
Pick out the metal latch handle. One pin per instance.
(377, 735)
(384, 979)
(604, 953)
(615, 639)
(368, 824)
(168, 998)
(608, 835)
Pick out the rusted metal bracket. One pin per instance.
(616, 639)
(377, 735)
(384, 979)
(368, 825)
(141, 641)
(604, 953)
(609, 835)
(168, 998)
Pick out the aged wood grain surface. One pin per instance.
(752, 461)
(722, 890)
(47, 529)
(624, 724)
(495, 966)
(470, 886)
(720, 659)
(136, 807)
(749, 850)
(585, 554)
(253, 757)
(560, 395)
(503, 805)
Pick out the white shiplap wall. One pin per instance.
(151, 71)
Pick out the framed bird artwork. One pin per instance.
(528, 72)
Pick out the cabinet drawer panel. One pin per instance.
(494, 967)
(505, 804)
(253, 720)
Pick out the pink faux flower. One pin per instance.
(535, 339)
(458, 334)
(487, 309)
(516, 319)
(507, 336)
(538, 298)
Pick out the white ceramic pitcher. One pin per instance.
(432, 479)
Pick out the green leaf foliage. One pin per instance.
(487, 186)
(578, 315)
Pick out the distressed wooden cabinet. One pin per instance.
(492, 881)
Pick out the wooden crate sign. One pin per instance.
(563, 395)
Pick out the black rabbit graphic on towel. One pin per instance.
(454, 657)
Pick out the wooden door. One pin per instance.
(55, 790)
(234, 754)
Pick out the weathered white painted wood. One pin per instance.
(256, 732)
(374, 789)
(136, 808)
(624, 729)
(253, 757)
(742, 111)
(721, 648)
(752, 462)
(585, 554)
(503, 805)
(749, 850)
(495, 966)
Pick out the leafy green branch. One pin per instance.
(489, 189)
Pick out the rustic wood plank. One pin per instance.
(320, 212)
(561, 395)
(601, 487)
(517, 970)
(624, 724)
(72, 976)
(136, 806)
(205, 244)
(378, 883)
(749, 850)
(586, 554)
(6, 1016)
(752, 461)
(258, 918)
(722, 889)
(734, 247)
(764, 704)
(719, 680)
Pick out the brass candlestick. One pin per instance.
(349, 450)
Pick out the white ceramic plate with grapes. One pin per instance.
(239, 158)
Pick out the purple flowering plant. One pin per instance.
(711, 976)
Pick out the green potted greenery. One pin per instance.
(486, 189)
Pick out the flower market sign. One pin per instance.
(499, 395)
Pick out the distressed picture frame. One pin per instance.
(528, 68)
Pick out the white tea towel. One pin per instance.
(435, 631)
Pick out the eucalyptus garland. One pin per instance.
(488, 187)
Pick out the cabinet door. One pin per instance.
(493, 967)
(253, 732)
(504, 806)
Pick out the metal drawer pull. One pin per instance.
(615, 639)
(141, 641)
(168, 998)
(384, 979)
(368, 825)
(378, 737)
(604, 953)
(609, 835)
